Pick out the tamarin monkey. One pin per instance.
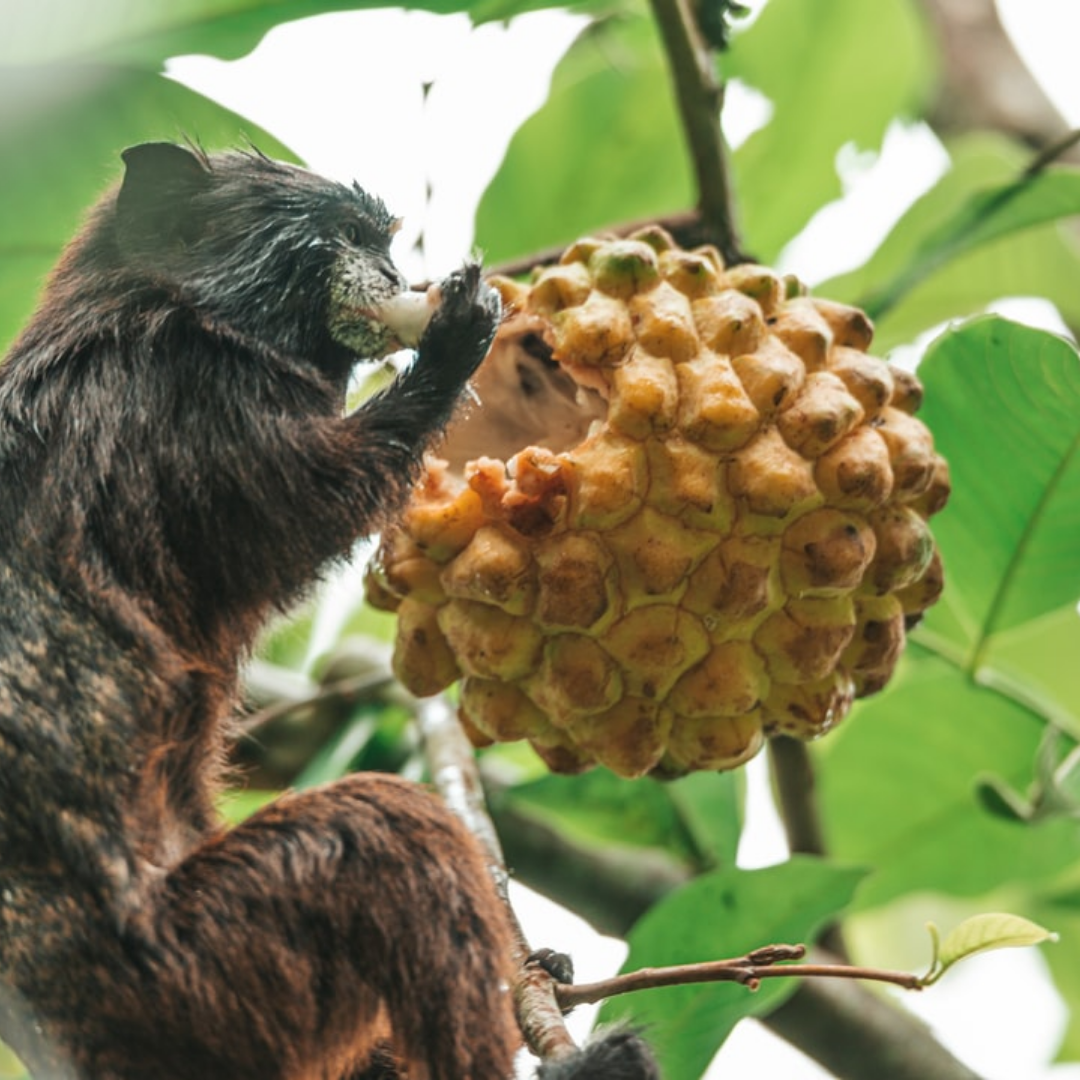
(175, 464)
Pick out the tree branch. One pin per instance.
(858, 1035)
(452, 765)
(793, 772)
(795, 783)
(687, 229)
(984, 82)
(746, 970)
(700, 98)
(893, 1044)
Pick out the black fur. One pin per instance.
(174, 464)
(612, 1054)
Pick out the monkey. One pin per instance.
(176, 465)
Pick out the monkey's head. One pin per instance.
(261, 248)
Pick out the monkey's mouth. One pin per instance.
(406, 314)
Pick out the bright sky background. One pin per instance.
(345, 92)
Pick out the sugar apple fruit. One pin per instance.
(687, 511)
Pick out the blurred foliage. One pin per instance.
(947, 256)
(904, 785)
(611, 115)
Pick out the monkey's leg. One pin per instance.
(276, 949)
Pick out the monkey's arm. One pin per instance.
(396, 426)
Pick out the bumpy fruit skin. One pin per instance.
(734, 551)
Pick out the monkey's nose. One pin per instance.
(390, 272)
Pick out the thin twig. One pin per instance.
(746, 970)
(346, 691)
(700, 98)
(1051, 152)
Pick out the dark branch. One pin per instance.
(793, 772)
(700, 98)
(688, 229)
(859, 1035)
(984, 83)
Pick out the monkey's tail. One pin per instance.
(618, 1053)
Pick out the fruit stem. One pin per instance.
(700, 97)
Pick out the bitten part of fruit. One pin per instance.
(408, 313)
(688, 511)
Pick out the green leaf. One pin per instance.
(981, 933)
(1003, 402)
(335, 758)
(146, 34)
(1011, 255)
(720, 915)
(1060, 908)
(238, 804)
(988, 215)
(898, 792)
(1001, 800)
(836, 72)
(61, 132)
(605, 148)
(710, 806)
(599, 808)
(1036, 663)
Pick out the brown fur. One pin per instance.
(174, 465)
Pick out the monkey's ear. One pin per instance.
(160, 179)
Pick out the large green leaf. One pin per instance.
(996, 658)
(1003, 401)
(897, 788)
(711, 807)
(61, 132)
(1042, 262)
(605, 148)
(717, 916)
(988, 215)
(146, 34)
(1036, 664)
(836, 72)
(600, 808)
(947, 257)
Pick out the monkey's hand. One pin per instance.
(374, 454)
(460, 332)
